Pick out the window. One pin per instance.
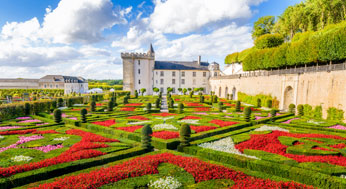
(173, 81)
(215, 74)
(161, 81)
(139, 62)
(173, 90)
(45, 86)
(139, 82)
(182, 74)
(183, 81)
(204, 74)
(51, 86)
(194, 82)
(56, 86)
(156, 72)
(161, 73)
(173, 73)
(161, 89)
(194, 74)
(204, 90)
(156, 81)
(139, 71)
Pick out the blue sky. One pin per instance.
(85, 37)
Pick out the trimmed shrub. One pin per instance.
(237, 106)
(185, 134)
(60, 102)
(201, 99)
(269, 41)
(292, 108)
(83, 113)
(191, 94)
(180, 108)
(148, 107)
(317, 112)
(136, 94)
(157, 103)
(93, 106)
(126, 100)
(171, 103)
(57, 116)
(27, 108)
(110, 106)
(146, 138)
(247, 114)
(335, 114)
(220, 106)
(273, 114)
(69, 102)
(269, 103)
(300, 109)
(215, 99)
(259, 103)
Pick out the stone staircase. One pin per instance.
(164, 106)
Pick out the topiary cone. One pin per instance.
(185, 134)
(146, 137)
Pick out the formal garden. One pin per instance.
(117, 140)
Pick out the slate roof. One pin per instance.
(180, 65)
(60, 78)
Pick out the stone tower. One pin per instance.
(138, 71)
(214, 69)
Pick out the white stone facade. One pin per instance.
(140, 70)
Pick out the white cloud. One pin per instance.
(80, 21)
(181, 16)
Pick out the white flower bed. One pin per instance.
(61, 139)
(62, 108)
(78, 104)
(265, 108)
(21, 158)
(166, 183)
(247, 104)
(343, 176)
(164, 126)
(189, 121)
(271, 128)
(224, 145)
(139, 122)
(1, 137)
(164, 118)
(315, 122)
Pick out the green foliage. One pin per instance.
(269, 103)
(57, 116)
(69, 102)
(215, 99)
(273, 114)
(27, 108)
(156, 90)
(185, 134)
(110, 105)
(126, 100)
(148, 107)
(83, 113)
(264, 25)
(300, 109)
(201, 99)
(317, 112)
(143, 90)
(220, 106)
(180, 108)
(60, 102)
(268, 41)
(259, 103)
(136, 94)
(252, 99)
(335, 114)
(237, 106)
(146, 138)
(308, 111)
(93, 106)
(157, 103)
(247, 114)
(292, 108)
(191, 93)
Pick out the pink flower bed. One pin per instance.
(30, 121)
(200, 113)
(338, 127)
(73, 118)
(10, 127)
(40, 124)
(289, 121)
(191, 117)
(22, 139)
(23, 118)
(48, 148)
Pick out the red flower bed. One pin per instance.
(338, 146)
(191, 117)
(270, 143)
(140, 166)
(202, 109)
(106, 123)
(78, 109)
(99, 104)
(223, 123)
(165, 134)
(164, 114)
(193, 104)
(134, 104)
(223, 100)
(128, 109)
(18, 132)
(177, 99)
(137, 118)
(82, 150)
(228, 104)
(199, 129)
(320, 148)
(131, 128)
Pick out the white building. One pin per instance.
(140, 70)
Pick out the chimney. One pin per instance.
(199, 60)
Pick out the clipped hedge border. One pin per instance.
(24, 178)
(285, 171)
(162, 143)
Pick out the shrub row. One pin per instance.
(252, 99)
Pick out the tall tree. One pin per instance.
(263, 25)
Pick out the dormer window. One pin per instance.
(139, 62)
